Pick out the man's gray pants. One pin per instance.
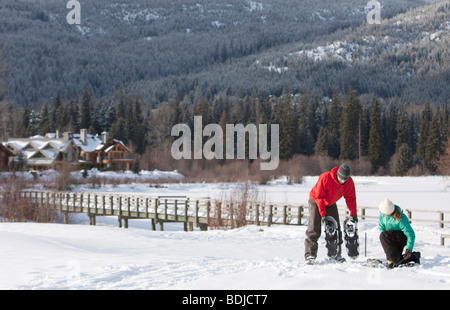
(315, 227)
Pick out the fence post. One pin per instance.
(409, 215)
(196, 212)
(300, 215)
(186, 204)
(176, 209)
(257, 214)
(269, 220)
(137, 207)
(441, 217)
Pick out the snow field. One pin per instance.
(79, 256)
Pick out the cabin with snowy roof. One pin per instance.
(38, 152)
(101, 152)
(83, 149)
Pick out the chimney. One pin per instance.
(83, 136)
(105, 137)
(67, 136)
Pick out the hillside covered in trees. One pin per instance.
(340, 89)
(155, 49)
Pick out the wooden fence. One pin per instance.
(203, 212)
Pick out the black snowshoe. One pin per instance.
(351, 238)
(331, 237)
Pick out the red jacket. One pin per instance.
(328, 191)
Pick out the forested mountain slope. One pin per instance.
(155, 49)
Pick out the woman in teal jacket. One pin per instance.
(395, 234)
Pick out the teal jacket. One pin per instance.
(390, 223)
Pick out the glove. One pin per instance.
(407, 254)
(354, 219)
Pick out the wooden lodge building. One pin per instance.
(83, 149)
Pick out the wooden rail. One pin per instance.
(203, 212)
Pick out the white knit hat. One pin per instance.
(386, 207)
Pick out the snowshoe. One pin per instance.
(374, 263)
(337, 259)
(351, 238)
(310, 260)
(331, 237)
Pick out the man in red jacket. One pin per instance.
(331, 186)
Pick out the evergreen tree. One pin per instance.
(74, 123)
(390, 129)
(130, 120)
(177, 117)
(375, 150)
(118, 130)
(97, 122)
(44, 121)
(321, 147)
(26, 123)
(434, 144)
(140, 128)
(120, 106)
(424, 131)
(404, 160)
(85, 110)
(110, 116)
(202, 109)
(402, 128)
(350, 127)
(56, 110)
(285, 115)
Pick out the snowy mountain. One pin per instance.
(153, 49)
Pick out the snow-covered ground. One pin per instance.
(79, 256)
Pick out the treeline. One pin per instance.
(389, 138)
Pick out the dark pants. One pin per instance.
(315, 228)
(393, 242)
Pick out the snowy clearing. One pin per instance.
(79, 256)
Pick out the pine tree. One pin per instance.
(85, 110)
(285, 115)
(390, 130)
(350, 127)
(404, 160)
(434, 144)
(402, 128)
(321, 147)
(56, 110)
(138, 139)
(375, 150)
(24, 128)
(110, 116)
(73, 113)
(44, 122)
(424, 131)
(130, 120)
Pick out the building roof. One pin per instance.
(37, 150)
(93, 143)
